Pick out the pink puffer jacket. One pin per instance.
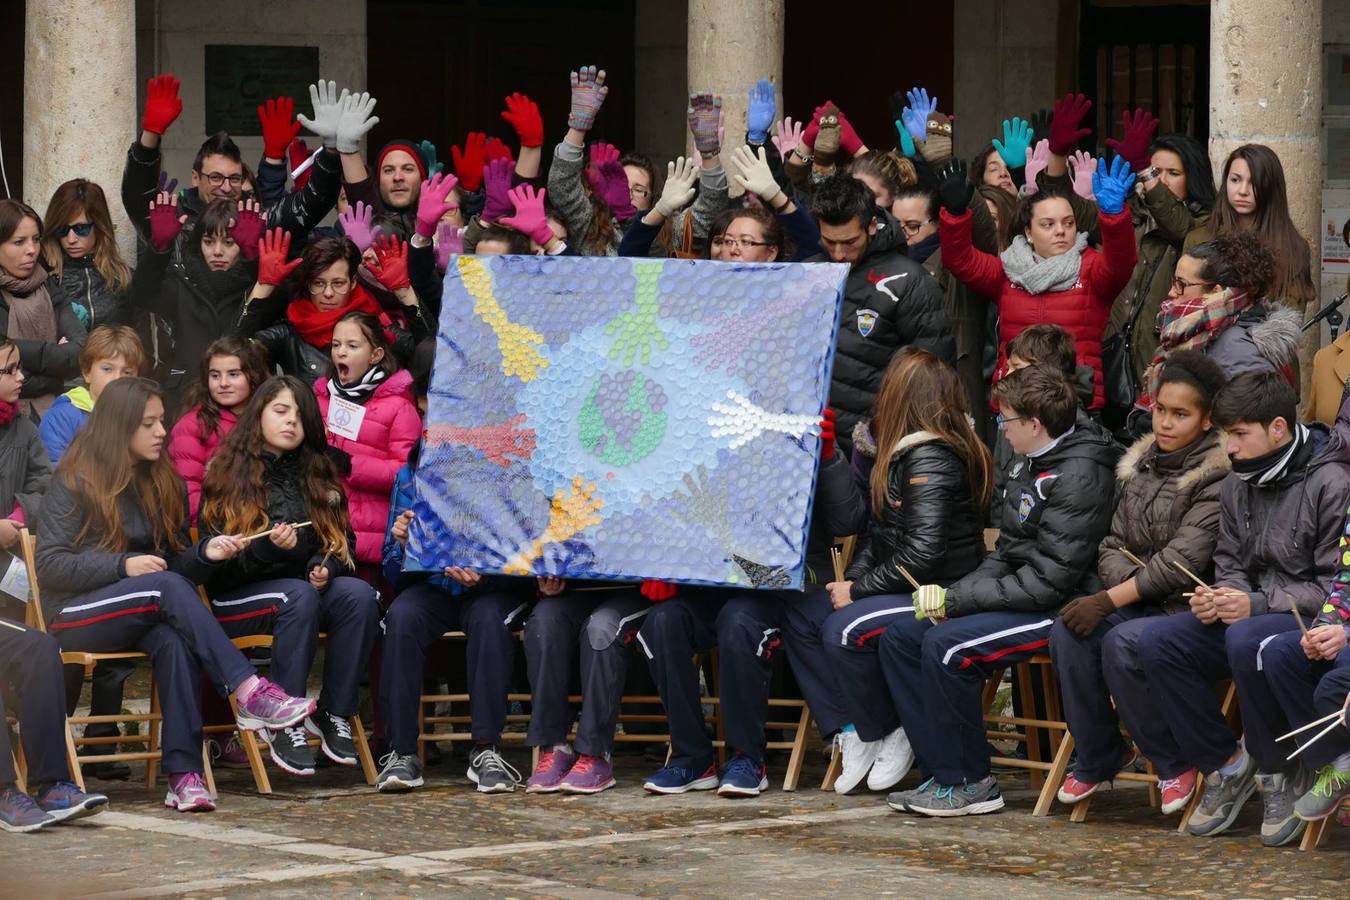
(190, 454)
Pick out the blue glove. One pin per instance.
(916, 123)
(922, 106)
(1112, 185)
(759, 116)
(906, 142)
(1017, 139)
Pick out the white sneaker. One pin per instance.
(856, 757)
(893, 762)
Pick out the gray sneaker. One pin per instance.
(491, 773)
(959, 799)
(400, 773)
(900, 800)
(1223, 799)
(1330, 788)
(1279, 825)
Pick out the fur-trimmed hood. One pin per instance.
(1206, 457)
(1277, 336)
(865, 444)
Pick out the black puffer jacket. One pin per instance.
(24, 470)
(931, 525)
(1056, 510)
(94, 302)
(263, 559)
(1167, 510)
(890, 302)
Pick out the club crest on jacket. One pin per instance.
(867, 320)
(1025, 506)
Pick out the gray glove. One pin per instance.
(355, 120)
(327, 111)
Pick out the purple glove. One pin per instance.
(529, 218)
(610, 181)
(434, 201)
(449, 239)
(497, 186)
(356, 222)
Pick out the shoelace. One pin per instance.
(584, 764)
(741, 765)
(1330, 781)
(298, 736)
(190, 785)
(490, 760)
(233, 745)
(341, 726)
(1275, 803)
(392, 758)
(1169, 784)
(944, 793)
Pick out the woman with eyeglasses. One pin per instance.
(41, 324)
(79, 248)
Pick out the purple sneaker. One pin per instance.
(63, 801)
(271, 707)
(590, 775)
(188, 793)
(232, 756)
(548, 775)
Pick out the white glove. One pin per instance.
(679, 188)
(355, 121)
(327, 111)
(753, 173)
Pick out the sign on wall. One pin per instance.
(240, 77)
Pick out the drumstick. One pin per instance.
(1314, 739)
(1299, 619)
(1313, 724)
(1132, 558)
(297, 527)
(1192, 576)
(838, 560)
(908, 577)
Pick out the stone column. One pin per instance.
(79, 100)
(731, 46)
(1265, 68)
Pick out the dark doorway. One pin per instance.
(1154, 57)
(442, 69)
(11, 99)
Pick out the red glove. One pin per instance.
(165, 222)
(162, 104)
(523, 114)
(279, 126)
(827, 434)
(658, 591)
(299, 153)
(1064, 130)
(849, 142)
(273, 268)
(496, 149)
(248, 229)
(469, 163)
(813, 127)
(390, 267)
(1139, 133)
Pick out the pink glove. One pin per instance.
(434, 201)
(1081, 165)
(497, 189)
(449, 240)
(356, 225)
(611, 182)
(165, 222)
(248, 229)
(529, 218)
(1037, 160)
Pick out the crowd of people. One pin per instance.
(1096, 356)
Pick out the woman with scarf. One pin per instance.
(327, 277)
(43, 326)
(1047, 274)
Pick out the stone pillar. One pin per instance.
(731, 46)
(79, 100)
(1265, 69)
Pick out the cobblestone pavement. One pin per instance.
(333, 835)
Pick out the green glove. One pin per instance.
(930, 602)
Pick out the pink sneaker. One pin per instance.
(271, 707)
(188, 793)
(232, 756)
(548, 775)
(1177, 792)
(590, 775)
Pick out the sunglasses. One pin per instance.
(83, 229)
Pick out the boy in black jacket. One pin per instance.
(1057, 504)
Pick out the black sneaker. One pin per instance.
(491, 773)
(399, 773)
(290, 749)
(335, 736)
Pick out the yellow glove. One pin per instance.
(930, 602)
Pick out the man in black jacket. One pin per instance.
(1057, 504)
(890, 302)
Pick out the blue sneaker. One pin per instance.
(679, 780)
(63, 801)
(743, 777)
(18, 812)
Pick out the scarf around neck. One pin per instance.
(315, 326)
(8, 413)
(1039, 275)
(31, 316)
(1273, 465)
(364, 387)
(1191, 323)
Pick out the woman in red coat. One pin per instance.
(1048, 275)
(372, 423)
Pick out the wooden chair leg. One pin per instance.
(207, 772)
(152, 745)
(363, 750)
(1313, 835)
(832, 770)
(1022, 675)
(256, 767)
(719, 724)
(422, 729)
(798, 755)
(20, 768)
(1058, 768)
(1154, 795)
(73, 758)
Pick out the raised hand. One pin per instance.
(754, 174)
(1036, 163)
(529, 219)
(1040, 123)
(922, 106)
(610, 181)
(279, 126)
(390, 267)
(759, 115)
(449, 239)
(1064, 127)
(248, 228)
(1082, 166)
(915, 123)
(678, 191)
(1112, 184)
(787, 136)
(299, 152)
(705, 119)
(954, 187)
(588, 95)
(273, 268)
(162, 104)
(429, 154)
(1139, 130)
(827, 434)
(658, 591)
(354, 120)
(496, 188)
(523, 115)
(165, 222)
(469, 162)
(496, 148)
(167, 185)
(1017, 136)
(434, 200)
(357, 224)
(849, 141)
(327, 103)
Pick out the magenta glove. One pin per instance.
(434, 201)
(248, 229)
(610, 181)
(1081, 166)
(529, 218)
(356, 225)
(1037, 160)
(449, 239)
(1139, 132)
(1064, 130)
(497, 188)
(165, 222)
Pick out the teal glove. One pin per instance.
(1112, 185)
(1017, 138)
(930, 602)
(906, 139)
(429, 154)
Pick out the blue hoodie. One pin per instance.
(64, 420)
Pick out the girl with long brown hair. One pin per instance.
(119, 573)
(273, 476)
(931, 481)
(79, 247)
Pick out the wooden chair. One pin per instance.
(1317, 833)
(16, 753)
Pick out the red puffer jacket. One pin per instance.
(388, 432)
(1083, 310)
(190, 454)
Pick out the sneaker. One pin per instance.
(588, 775)
(20, 813)
(959, 799)
(491, 773)
(679, 780)
(1076, 789)
(900, 800)
(231, 756)
(188, 793)
(554, 764)
(743, 777)
(1279, 825)
(1331, 786)
(335, 736)
(1177, 792)
(64, 802)
(290, 750)
(1223, 799)
(399, 773)
(893, 762)
(856, 758)
(271, 707)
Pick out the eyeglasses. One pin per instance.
(1180, 285)
(735, 243)
(217, 179)
(81, 229)
(1004, 420)
(338, 286)
(912, 228)
(638, 192)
